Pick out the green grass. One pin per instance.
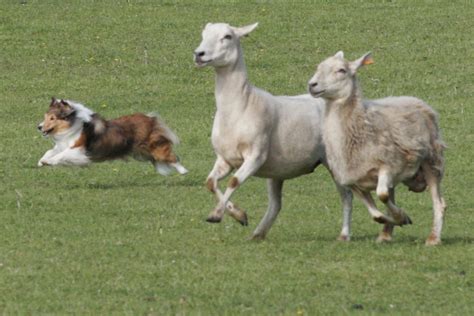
(116, 238)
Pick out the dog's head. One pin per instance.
(59, 118)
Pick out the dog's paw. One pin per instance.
(42, 163)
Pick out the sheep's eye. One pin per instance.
(228, 37)
(342, 71)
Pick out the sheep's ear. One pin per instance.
(364, 60)
(339, 54)
(244, 30)
(207, 25)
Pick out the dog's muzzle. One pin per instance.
(45, 133)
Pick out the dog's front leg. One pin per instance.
(70, 156)
(47, 155)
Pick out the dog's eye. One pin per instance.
(342, 71)
(228, 37)
(51, 118)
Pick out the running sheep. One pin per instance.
(376, 144)
(256, 133)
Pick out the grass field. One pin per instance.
(116, 238)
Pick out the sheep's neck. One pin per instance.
(351, 110)
(232, 87)
(350, 113)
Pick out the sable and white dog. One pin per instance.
(82, 136)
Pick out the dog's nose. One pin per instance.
(40, 127)
(199, 54)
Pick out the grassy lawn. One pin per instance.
(117, 238)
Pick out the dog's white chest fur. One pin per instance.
(64, 152)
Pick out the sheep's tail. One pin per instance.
(437, 145)
(437, 156)
(168, 133)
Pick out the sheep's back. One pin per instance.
(405, 123)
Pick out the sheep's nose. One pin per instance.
(313, 84)
(199, 54)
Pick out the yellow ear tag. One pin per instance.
(368, 61)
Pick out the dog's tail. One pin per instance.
(168, 133)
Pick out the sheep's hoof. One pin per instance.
(257, 237)
(408, 220)
(213, 219)
(344, 238)
(239, 215)
(433, 241)
(430, 242)
(243, 220)
(383, 237)
(382, 220)
(404, 221)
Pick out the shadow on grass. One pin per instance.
(454, 240)
(369, 238)
(174, 183)
(414, 240)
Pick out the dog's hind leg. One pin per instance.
(162, 168)
(164, 159)
(179, 167)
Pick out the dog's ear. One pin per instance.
(66, 109)
(53, 101)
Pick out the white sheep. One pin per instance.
(273, 137)
(380, 143)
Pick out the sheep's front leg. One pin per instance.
(387, 232)
(386, 193)
(247, 169)
(274, 187)
(220, 170)
(377, 216)
(346, 200)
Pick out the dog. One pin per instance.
(81, 137)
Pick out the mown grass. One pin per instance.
(116, 238)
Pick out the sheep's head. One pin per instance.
(335, 76)
(220, 45)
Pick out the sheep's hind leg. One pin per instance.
(274, 188)
(439, 205)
